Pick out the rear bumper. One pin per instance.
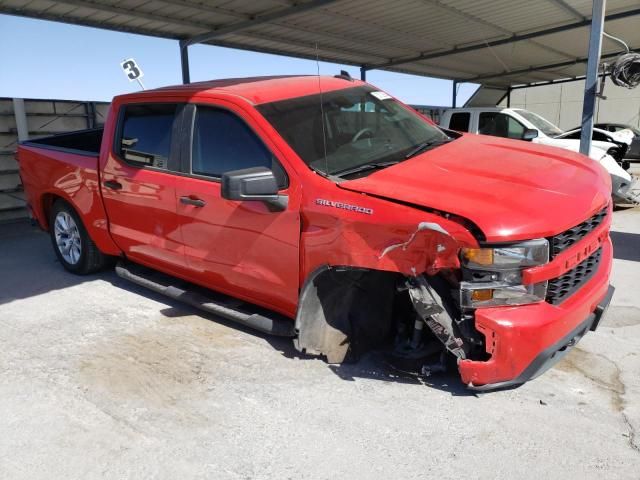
(525, 341)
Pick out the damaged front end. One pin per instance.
(405, 300)
(422, 317)
(416, 320)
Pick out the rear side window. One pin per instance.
(222, 142)
(460, 121)
(600, 137)
(145, 138)
(500, 125)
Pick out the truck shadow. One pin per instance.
(626, 246)
(372, 366)
(31, 269)
(28, 266)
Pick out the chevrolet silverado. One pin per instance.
(324, 209)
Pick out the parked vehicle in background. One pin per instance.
(622, 138)
(339, 217)
(520, 124)
(633, 153)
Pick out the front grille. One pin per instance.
(564, 240)
(562, 287)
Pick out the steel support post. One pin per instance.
(363, 74)
(184, 62)
(591, 82)
(20, 115)
(454, 95)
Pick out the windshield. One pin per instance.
(341, 130)
(542, 124)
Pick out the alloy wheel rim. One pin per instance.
(67, 238)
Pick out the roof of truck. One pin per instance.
(256, 90)
(478, 109)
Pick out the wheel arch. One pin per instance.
(345, 311)
(96, 228)
(46, 204)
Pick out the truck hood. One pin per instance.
(510, 189)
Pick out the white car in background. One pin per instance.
(522, 124)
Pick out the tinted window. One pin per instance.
(600, 137)
(222, 142)
(336, 132)
(607, 127)
(460, 121)
(499, 125)
(146, 134)
(574, 135)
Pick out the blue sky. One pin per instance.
(53, 60)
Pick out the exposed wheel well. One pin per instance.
(345, 311)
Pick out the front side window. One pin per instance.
(460, 121)
(500, 125)
(145, 138)
(222, 142)
(338, 131)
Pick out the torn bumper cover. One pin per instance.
(524, 342)
(622, 190)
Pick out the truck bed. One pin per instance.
(82, 142)
(65, 167)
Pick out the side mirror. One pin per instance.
(529, 134)
(256, 183)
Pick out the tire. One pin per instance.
(71, 242)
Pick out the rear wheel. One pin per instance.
(71, 242)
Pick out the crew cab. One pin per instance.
(520, 124)
(324, 209)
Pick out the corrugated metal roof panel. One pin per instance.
(395, 36)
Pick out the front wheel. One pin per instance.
(71, 242)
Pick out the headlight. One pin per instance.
(520, 255)
(494, 274)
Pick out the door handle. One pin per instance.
(113, 185)
(196, 202)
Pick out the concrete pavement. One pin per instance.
(102, 379)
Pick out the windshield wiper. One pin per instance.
(366, 166)
(421, 147)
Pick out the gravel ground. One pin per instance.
(102, 379)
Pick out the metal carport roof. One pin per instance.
(499, 43)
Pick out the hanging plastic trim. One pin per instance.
(625, 71)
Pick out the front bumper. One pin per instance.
(622, 191)
(525, 341)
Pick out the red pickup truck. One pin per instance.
(323, 209)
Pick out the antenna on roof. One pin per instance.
(324, 133)
(344, 75)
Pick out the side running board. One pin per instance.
(208, 301)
